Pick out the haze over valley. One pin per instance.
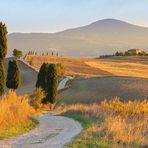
(99, 38)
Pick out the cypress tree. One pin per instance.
(3, 52)
(42, 77)
(52, 84)
(13, 75)
(3, 40)
(2, 79)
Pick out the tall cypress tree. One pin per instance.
(3, 52)
(52, 84)
(13, 75)
(42, 77)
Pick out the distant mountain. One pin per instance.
(102, 37)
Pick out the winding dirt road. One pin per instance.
(52, 132)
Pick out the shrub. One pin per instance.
(36, 98)
(61, 70)
(14, 110)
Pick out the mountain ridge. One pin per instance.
(100, 37)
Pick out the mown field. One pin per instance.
(88, 90)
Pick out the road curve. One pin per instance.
(52, 132)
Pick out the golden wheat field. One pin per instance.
(74, 66)
(87, 67)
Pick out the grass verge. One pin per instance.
(15, 113)
(111, 124)
(19, 129)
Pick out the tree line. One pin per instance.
(47, 53)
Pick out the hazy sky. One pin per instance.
(56, 15)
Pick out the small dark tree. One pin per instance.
(17, 53)
(52, 85)
(13, 75)
(52, 53)
(42, 77)
(3, 52)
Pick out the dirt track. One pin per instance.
(53, 132)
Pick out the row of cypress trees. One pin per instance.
(13, 74)
(48, 81)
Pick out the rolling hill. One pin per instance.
(102, 37)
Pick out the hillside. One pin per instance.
(89, 67)
(101, 37)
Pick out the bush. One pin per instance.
(36, 98)
(61, 70)
(14, 110)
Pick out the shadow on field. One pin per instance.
(88, 90)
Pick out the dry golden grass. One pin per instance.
(121, 68)
(14, 111)
(87, 67)
(74, 66)
(117, 123)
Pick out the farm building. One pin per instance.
(135, 51)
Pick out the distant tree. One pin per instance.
(52, 53)
(42, 77)
(3, 52)
(17, 53)
(119, 54)
(13, 75)
(52, 85)
(127, 53)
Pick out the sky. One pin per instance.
(56, 15)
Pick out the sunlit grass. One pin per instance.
(111, 124)
(121, 68)
(15, 113)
